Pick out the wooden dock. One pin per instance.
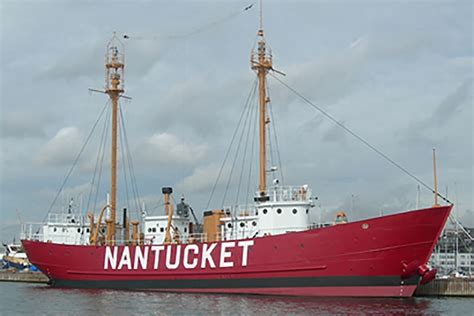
(447, 287)
(29, 277)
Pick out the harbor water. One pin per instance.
(40, 299)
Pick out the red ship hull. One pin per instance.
(363, 258)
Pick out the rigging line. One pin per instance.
(198, 30)
(99, 153)
(75, 161)
(275, 135)
(245, 148)
(237, 152)
(393, 162)
(122, 145)
(230, 146)
(104, 145)
(132, 169)
(129, 163)
(254, 134)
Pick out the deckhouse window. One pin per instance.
(295, 211)
(264, 211)
(279, 211)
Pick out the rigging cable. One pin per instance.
(238, 148)
(230, 146)
(98, 159)
(272, 121)
(237, 151)
(131, 167)
(251, 113)
(124, 169)
(102, 157)
(75, 161)
(393, 162)
(198, 30)
(249, 180)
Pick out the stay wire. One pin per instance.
(254, 134)
(275, 135)
(330, 117)
(75, 162)
(102, 158)
(244, 129)
(96, 167)
(131, 166)
(124, 158)
(251, 113)
(230, 146)
(237, 151)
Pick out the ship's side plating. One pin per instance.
(364, 258)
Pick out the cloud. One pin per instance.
(201, 180)
(22, 124)
(62, 149)
(432, 129)
(165, 149)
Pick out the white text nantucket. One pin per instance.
(172, 257)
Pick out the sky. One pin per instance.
(397, 73)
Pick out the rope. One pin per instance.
(275, 135)
(99, 153)
(230, 146)
(246, 148)
(124, 169)
(75, 162)
(359, 138)
(130, 164)
(249, 180)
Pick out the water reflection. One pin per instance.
(108, 302)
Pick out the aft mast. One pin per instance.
(114, 68)
(261, 63)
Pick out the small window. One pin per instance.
(78, 230)
(254, 223)
(54, 229)
(185, 230)
(103, 230)
(229, 225)
(88, 230)
(264, 211)
(162, 229)
(242, 224)
(295, 211)
(307, 211)
(149, 230)
(279, 211)
(154, 229)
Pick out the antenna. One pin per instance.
(261, 16)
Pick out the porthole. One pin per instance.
(295, 211)
(242, 224)
(264, 211)
(88, 230)
(229, 225)
(154, 229)
(149, 230)
(307, 211)
(103, 230)
(254, 223)
(279, 211)
(54, 229)
(78, 230)
(162, 229)
(185, 230)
